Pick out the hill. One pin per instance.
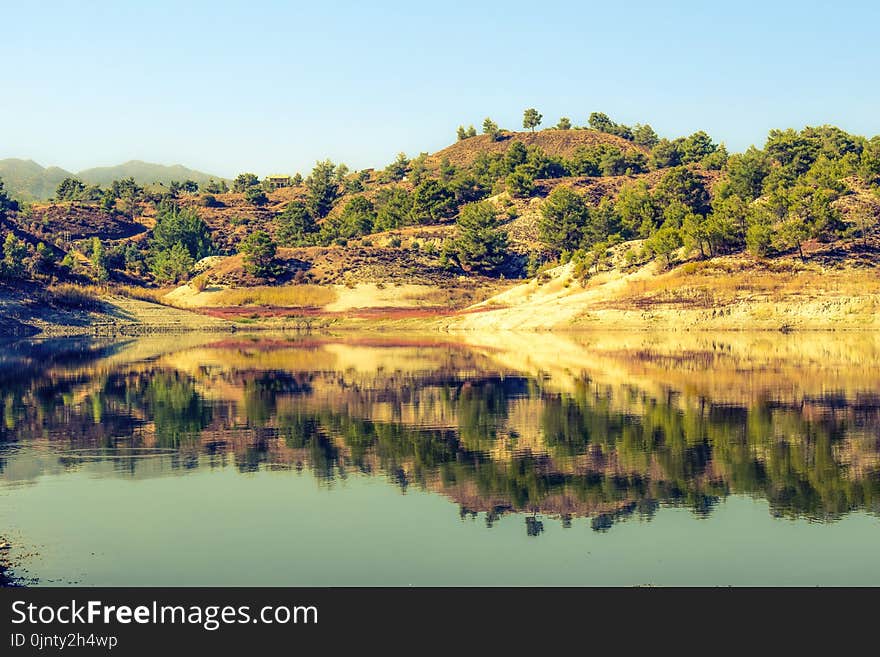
(557, 143)
(27, 180)
(143, 173)
(556, 229)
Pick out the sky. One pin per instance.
(271, 87)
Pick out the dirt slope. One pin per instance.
(730, 293)
(23, 314)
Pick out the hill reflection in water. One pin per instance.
(603, 427)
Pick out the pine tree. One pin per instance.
(564, 217)
(323, 189)
(480, 245)
(531, 119)
(296, 225)
(258, 251)
(491, 128)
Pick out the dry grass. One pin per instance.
(199, 283)
(153, 295)
(732, 292)
(290, 296)
(229, 265)
(447, 298)
(714, 282)
(79, 297)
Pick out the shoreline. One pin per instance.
(122, 316)
(439, 324)
(380, 327)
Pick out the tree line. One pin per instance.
(765, 200)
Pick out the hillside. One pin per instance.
(730, 293)
(556, 229)
(557, 143)
(28, 181)
(144, 173)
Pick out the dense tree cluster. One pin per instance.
(698, 148)
(244, 181)
(12, 265)
(180, 239)
(127, 195)
(767, 200)
(430, 200)
(21, 260)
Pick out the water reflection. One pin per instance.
(598, 428)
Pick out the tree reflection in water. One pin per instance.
(450, 420)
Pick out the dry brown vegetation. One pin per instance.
(151, 294)
(288, 296)
(77, 297)
(726, 280)
(75, 220)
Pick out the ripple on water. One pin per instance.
(112, 454)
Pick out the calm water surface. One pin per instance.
(501, 459)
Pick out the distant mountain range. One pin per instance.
(28, 181)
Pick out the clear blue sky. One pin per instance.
(273, 86)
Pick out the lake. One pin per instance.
(501, 459)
